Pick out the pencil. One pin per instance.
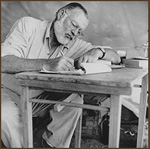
(61, 52)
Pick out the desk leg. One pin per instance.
(115, 119)
(27, 119)
(78, 133)
(142, 112)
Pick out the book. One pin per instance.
(86, 68)
(136, 62)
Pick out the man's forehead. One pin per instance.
(79, 16)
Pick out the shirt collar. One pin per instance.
(47, 34)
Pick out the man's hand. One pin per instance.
(95, 54)
(59, 64)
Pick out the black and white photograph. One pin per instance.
(74, 74)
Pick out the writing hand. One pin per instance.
(59, 64)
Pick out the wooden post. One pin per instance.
(27, 119)
(142, 112)
(115, 119)
(78, 133)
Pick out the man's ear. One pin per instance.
(60, 14)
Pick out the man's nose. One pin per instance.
(74, 32)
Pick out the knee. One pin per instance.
(9, 112)
(78, 99)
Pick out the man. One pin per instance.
(33, 44)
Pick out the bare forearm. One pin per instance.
(13, 64)
(96, 53)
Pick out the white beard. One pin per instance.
(60, 33)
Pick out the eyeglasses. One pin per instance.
(75, 26)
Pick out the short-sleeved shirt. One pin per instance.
(30, 38)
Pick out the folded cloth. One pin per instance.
(45, 144)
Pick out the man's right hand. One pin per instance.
(59, 64)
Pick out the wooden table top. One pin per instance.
(124, 77)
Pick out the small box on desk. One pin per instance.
(138, 62)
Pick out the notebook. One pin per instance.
(86, 68)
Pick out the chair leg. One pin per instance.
(78, 133)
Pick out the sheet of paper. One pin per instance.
(73, 72)
(117, 66)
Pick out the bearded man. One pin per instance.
(33, 44)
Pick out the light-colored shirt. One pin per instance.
(29, 38)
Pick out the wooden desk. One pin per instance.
(118, 82)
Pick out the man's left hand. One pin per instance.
(94, 54)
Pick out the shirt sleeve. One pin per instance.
(80, 47)
(16, 42)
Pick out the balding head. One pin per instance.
(72, 6)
